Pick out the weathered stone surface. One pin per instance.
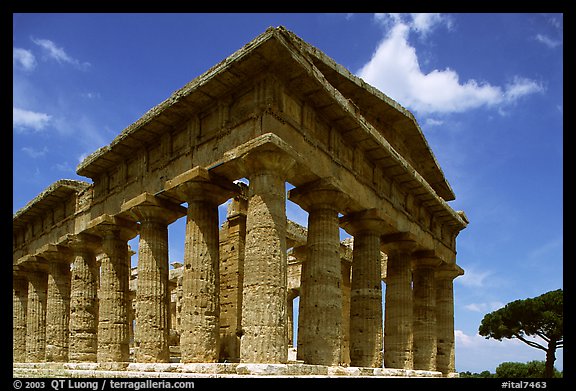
(264, 319)
(398, 316)
(445, 361)
(83, 299)
(19, 309)
(424, 313)
(58, 309)
(113, 325)
(200, 335)
(320, 327)
(366, 301)
(36, 316)
(152, 296)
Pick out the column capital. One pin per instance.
(425, 259)
(400, 241)
(106, 224)
(322, 193)
(370, 220)
(149, 207)
(31, 263)
(449, 271)
(268, 159)
(55, 253)
(201, 185)
(82, 240)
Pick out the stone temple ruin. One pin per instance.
(277, 111)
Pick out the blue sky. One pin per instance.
(486, 90)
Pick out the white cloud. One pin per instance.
(484, 307)
(23, 58)
(23, 120)
(473, 277)
(34, 153)
(434, 122)
(395, 69)
(547, 41)
(59, 54)
(520, 87)
(424, 23)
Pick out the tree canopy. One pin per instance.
(540, 316)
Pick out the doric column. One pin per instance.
(424, 311)
(398, 313)
(58, 302)
(36, 316)
(445, 274)
(113, 319)
(83, 340)
(320, 317)
(199, 339)
(152, 293)
(292, 294)
(232, 245)
(366, 290)
(345, 284)
(264, 319)
(19, 309)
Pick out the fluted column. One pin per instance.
(36, 316)
(445, 359)
(345, 284)
(58, 302)
(398, 335)
(424, 295)
(200, 335)
(232, 277)
(83, 340)
(113, 319)
(264, 319)
(366, 290)
(152, 293)
(19, 309)
(320, 317)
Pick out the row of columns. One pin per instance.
(99, 322)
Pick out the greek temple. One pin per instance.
(278, 121)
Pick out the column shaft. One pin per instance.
(264, 318)
(199, 341)
(231, 281)
(320, 328)
(366, 301)
(36, 317)
(83, 302)
(20, 305)
(58, 312)
(445, 358)
(152, 294)
(424, 294)
(113, 325)
(398, 315)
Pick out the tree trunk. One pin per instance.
(550, 358)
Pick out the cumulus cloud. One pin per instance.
(24, 59)
(395, 69)
(23, 120)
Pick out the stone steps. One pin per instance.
(204, 370)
